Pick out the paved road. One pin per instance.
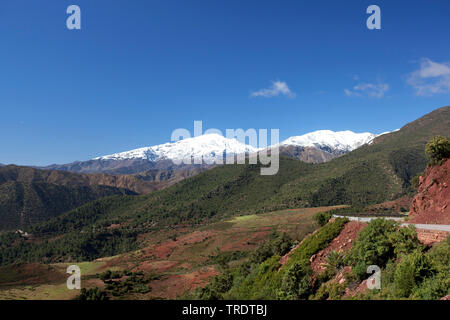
(437, 227)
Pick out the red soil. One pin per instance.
(243, 242)
(175, 285)
(164, 249)
(397, 204)
(431, 204)
(159, 266)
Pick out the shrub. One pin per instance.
(296, 283)
(220, 285)
(415, 181)
(332, 291)
(380, 241)
(322, 218)
(278, 245)
(405, 241)
(412, 269)
(438, 149)
(263, 282)
(438, 285)
(92, 294)
(433, 288)
(372, 246)
(334, 261)
(105, 275)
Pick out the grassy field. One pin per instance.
(43, 282)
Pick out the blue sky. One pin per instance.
(137, 70)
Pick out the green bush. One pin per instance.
(405, 241)
(296, 283)
(415, 181)
(411, 270)
(438, 285)
(261, 283)
(380, 241)
(92, 294)
(332, 291)
(278, 245)
(215, 290)
(222, 258)
(438, 149)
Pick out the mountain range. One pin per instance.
(315, 147)
(376, 172)
(355, 169)
(29, 195)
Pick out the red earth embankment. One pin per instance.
(431, 204)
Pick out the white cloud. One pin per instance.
(372, 90)
(277, 88)
(431, 78)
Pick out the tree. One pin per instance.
(438, 149)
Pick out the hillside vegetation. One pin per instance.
(371, 174)
(408, 268)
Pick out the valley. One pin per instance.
(182, 258)
(217, 232)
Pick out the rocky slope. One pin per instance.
(432, 202)
(306, 154)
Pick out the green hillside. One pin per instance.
(368, 175)
(29, 196)
(23, 204)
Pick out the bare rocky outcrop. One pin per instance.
(431, 205)
(430, 237)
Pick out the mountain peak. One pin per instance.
(338, 142)
(207, 146)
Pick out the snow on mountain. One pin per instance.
(211, 147)
(208, 147)
(339, 142)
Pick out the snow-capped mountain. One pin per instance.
(214, 146)
(336, 143)
(315, 147)
(208, 147)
